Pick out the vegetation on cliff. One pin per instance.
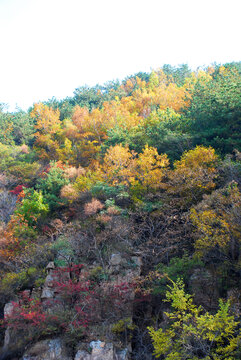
(149, 169)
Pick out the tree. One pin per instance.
(215, 110)
(193, 174)
(217, 222)
(50, 185)
(150, 167)
(119, 165)
(32, 207)
(194, 334)
(48, 126)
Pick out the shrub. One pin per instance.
(78, 304)
(23, 171)
(14, 282)
(32, 207)
(217, 222)
(93, 207)
(69, 192)
(50, 186)
(192, 333)
(193, 175)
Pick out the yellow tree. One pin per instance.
(217, 222)
(192, 333)
(151, 168)
(119, 165)
(48, 126)
(47, 119)
(194, 174)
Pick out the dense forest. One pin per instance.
(120, 217)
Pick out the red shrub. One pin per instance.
(18, 189)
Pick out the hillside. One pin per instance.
(120, 216)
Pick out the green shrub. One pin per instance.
(51, 185)
(178, 267)
(102, 189)
(32, 207)
(13, 282)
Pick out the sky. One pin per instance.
(51, 47)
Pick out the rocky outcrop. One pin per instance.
(48, 288)
(121, 271)
(102, 351)
(8, 309)
(53, 349)
(82, 355)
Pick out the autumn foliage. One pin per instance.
(139, 180)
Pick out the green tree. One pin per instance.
(16, 128)
(215, 110)
(51, 185)
(32, 207)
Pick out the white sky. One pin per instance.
(50, 47)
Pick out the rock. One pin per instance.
(82, 355)
(47, 293)
(8, 309)
(121, 354)
(48, 288)
(7, 339)
(50, 266)
(102, 351)
(49, 281)
(115, 259)
(47, 350)
(97, 344)
(84, 274)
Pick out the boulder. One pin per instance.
(50, 266)
(53, 349)
(121, 354)
(115, 259)
(82, 355)
(8, 309)
(102, 351)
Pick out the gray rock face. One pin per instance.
(54, 349)
(8, 309)
(47, 350)
(102, 351)
(47, 293)
(115, 259)
(97, 344)
(82, 355)
(121, 354)
(50, 266)
(48, 288)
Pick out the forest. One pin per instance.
(120, 217)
